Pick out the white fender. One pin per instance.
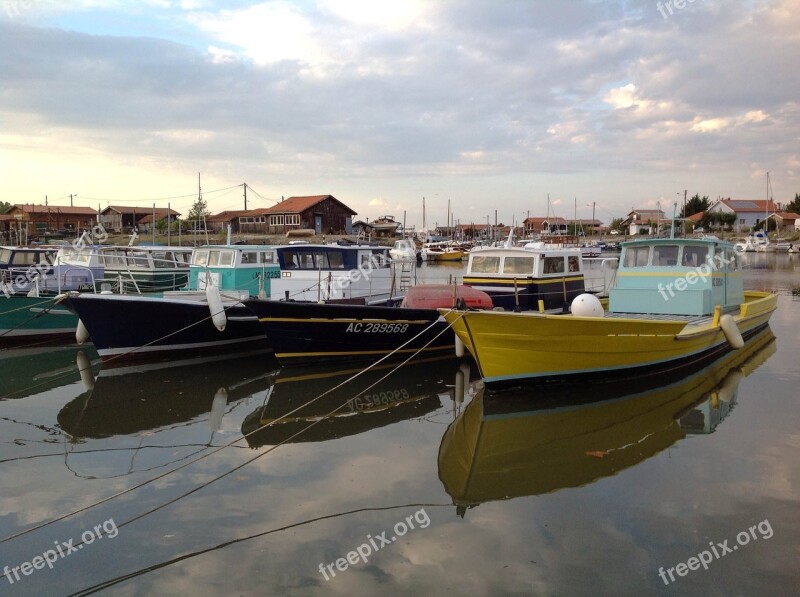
(218, 409)
(215, 307)
(81, 333)
(85, 369)
(459, 347)
(728, 326)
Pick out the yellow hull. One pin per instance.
(448, 256)
(514, 347)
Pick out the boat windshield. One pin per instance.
(485, 264)
(665, 255)
(637, 256)
(554, 265)
(519, 265)
(5, 255)
(694, 256)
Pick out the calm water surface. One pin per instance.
(551, 493)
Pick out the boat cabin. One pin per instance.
(235, 267)
(677, 277)
(518, 278)
(140, 268)
(314, 272)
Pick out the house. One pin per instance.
(644, 221)
(250, 221)
(116, 218)
(324, 214)
(33, 220)
(787, 220)
(749, 212)
(145, 223)
(545, 225)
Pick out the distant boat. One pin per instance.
(404, 250)
(441, 251)
(675, 301)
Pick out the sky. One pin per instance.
(490, 105)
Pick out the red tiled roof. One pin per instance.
(139, 210)
(787, 215)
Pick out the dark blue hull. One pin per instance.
(304, 333)
(133, 327)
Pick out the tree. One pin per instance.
(5, 206)
(694, 205)
(794, 206)
(199, 211)
(616, 224)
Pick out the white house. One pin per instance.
(646, 220)
(749, 212)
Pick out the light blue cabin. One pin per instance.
(235, 267)
(677, 277)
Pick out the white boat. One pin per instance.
(404, 250)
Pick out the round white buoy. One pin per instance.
(728, 326)
(81, 333)
(215, 307)
(85, 369)
(587, 305)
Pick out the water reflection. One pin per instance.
(318, 404)
(502, 447)
(132, 400)
(29, 371)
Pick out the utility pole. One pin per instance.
(244, 185)
(70, 199)
(594, 228)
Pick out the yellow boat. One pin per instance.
(502, 447)
(675, 301)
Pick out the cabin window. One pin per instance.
(5, 255)
(24, 258)
(226, 258)
(249, 257)
(336, 260)
(137, 259)
(694, 256)
(276, 220)
(665, 255)
(733, 261)
(201, 258)
(183, 258)
(719, 260)
(269, 257)
(518, 265)
(162, 259)
(483, 264)
(321, 260)
(574, 263)
(293, 220)
(637, 256)
(553, 265)
(213, 258)
(49, 258)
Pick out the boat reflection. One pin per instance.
(314, 405)
(131, 400)
(28, 371)
(508, 446)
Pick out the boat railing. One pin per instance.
(600, 279)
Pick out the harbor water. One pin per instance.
(236, 477)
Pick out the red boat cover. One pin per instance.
(440, 296)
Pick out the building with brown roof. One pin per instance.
(324, 214)
(116, 218)
(35, 220)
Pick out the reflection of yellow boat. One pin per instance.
(511, 446)
(675, 300)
